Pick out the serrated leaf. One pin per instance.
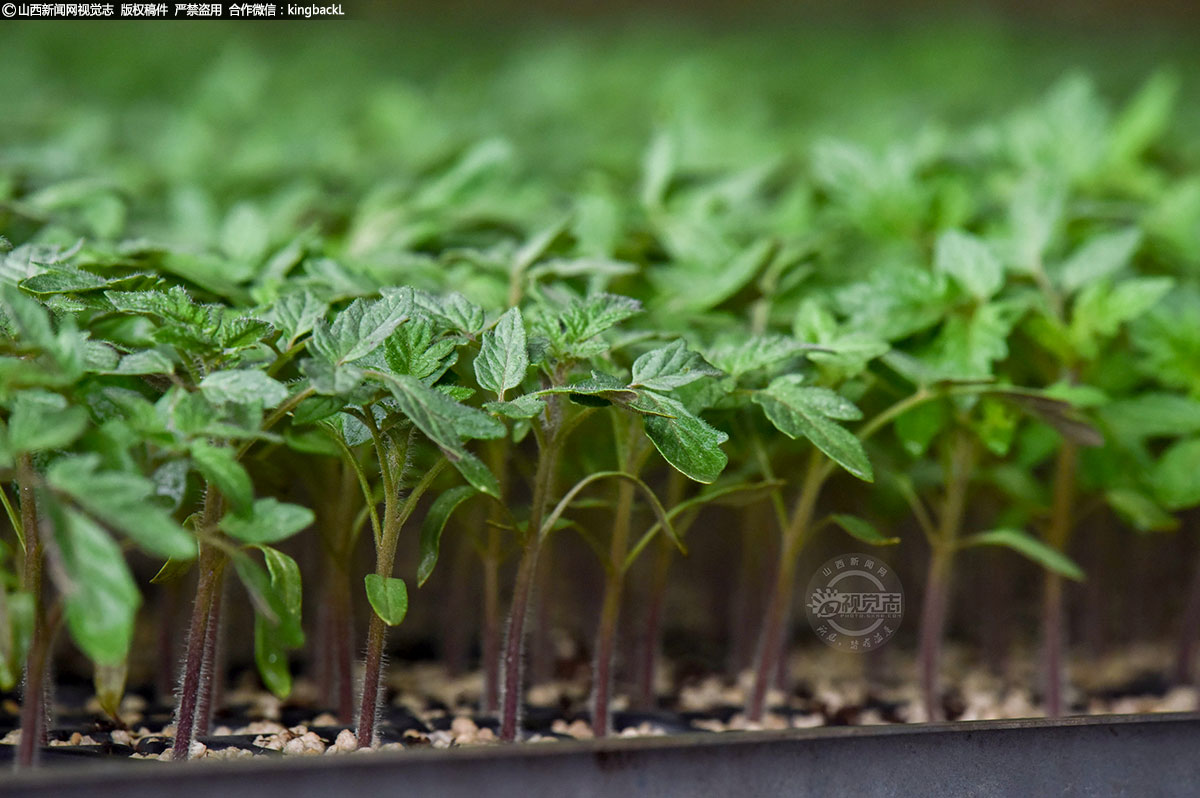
(670, 367)
(388, 597)
(296, 314)
(760, 351)
(526, 406)
(219, 466)
(863, 530)
(453, 309)
(243, 386)
(431, 530)
(360, 328)
(689, 444)
(804, 412)
(413, 350)
(445, 422)
(502, 361)
(329, 379)
(1030, 547)
(270, 521)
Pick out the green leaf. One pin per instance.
(219, 466)
(413, 350)
(148, 361)
(806, 412)
(689, 444)
(270, 521)
(41, 420)
(757, 352)
(172, 570)
(1144, 119)
(270, 655)
(452, 309)
(1140, 510)
(970, 262)
(296, 315)
(917, 427)
(526, 406)
(863, 530)
(123, 501)
(669, 367)
(285, 580)
(573, 329)
(329, 379)
(244, 234)
(1028, 546)
(1176, 476)
(435, 522)
(446, 422)
(1152, 415)
(361, 328)
(502, 361)
(271, 640)
(270, 598)
(20, 631)
(243, 386)
(101, 598)
(388, 597)
(1101, 257)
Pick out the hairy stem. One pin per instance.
(512, 666)
(210, 680)
(394, 516)
(32, 711)
(209, 565)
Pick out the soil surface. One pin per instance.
(427, 707)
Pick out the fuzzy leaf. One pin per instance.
(361, 328)
(243, 386)
(502, 361)
(685, 441)
(669, 367)
(296, 315)
(388, 597)
(446, 422)
(526, 406)
(807, 412)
